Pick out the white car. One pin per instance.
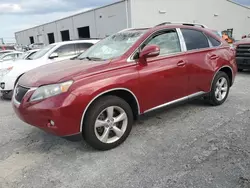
(9, 56)
(7, 65)
(49, 54)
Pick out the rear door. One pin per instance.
(200, 60)
(163, 79)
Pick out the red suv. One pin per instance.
(99, 94)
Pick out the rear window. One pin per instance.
(213, 41)
(194, 39)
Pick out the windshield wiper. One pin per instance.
(92, 58)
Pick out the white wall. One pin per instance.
(101, 21)
(145, 13)
(110, 19)
(83, 20)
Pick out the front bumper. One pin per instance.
(7, 83)
(243, 63)
(62, 109)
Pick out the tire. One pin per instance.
(94, 135)
(7, 96)
(214, 96)
(240, 70)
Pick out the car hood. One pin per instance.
(245, 41)
(61, 71)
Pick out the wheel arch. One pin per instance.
(18, 79)
(123, 93)
(228, 70)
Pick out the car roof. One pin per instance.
(77, 41)
(34, 50)
(169, 25)
(6, 51)
(14, 52)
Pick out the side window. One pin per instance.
(194, 39)
(66, 50)
(213, 41)
(168, 42)
(81, 47)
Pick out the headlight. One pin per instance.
(6, 70)
(47, 91)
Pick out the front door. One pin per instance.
(64, 52)
(164, 78)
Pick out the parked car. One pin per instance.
(9, 56)
(243, 54)
(100, 93)
(49, 54)
(7, 66)
(36, 46)
(5, 51)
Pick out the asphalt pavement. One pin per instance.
(189, 145)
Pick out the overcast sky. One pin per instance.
(17, 15)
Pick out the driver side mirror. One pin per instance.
(53, 55)
(149, 51)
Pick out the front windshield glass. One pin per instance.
(112, 46)
(22, 56)
(42, 52)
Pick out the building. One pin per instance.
(103, 21)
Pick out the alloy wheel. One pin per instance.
(111, 124)
(221, 89)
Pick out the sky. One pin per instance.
(16, 15)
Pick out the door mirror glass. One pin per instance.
(150, 51)
(53, 55)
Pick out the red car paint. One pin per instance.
(159, 81)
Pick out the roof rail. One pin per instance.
(188, 24)
(127, 29)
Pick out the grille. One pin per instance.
(20, 92)
(243, 51)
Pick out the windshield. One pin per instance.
(22, 56)
(112, 47)
(42, 52)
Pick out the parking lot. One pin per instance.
(190, 145)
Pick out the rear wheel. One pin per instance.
(108, 123)
(220, 89)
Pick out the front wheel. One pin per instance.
(220, 89)
(108, 123)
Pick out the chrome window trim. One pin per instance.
(102, 93)
(182, 40)
(176, 101)
(130, 60)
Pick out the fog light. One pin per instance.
(2, 85)
(51, 123)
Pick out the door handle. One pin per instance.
(213, 57)
(181, 63)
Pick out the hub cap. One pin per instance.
(221, 89)
(111, 124)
